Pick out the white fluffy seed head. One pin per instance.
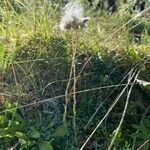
(72, 16)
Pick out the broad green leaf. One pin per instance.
(45, 146)
(136, 126)
(132, 53)
(60, 131)
(33, 133)
(143, 128)
(20, 135)
(1, 119)
(4, 132)
(9, 105)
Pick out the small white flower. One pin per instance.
(72, 17)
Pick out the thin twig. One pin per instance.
(146, 142)
(97, 109)
(110, 109)
(64, 80)
(124, 112)
(60, 96)
(15, 77)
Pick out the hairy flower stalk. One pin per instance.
(72, 18)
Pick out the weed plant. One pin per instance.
(112, 67)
